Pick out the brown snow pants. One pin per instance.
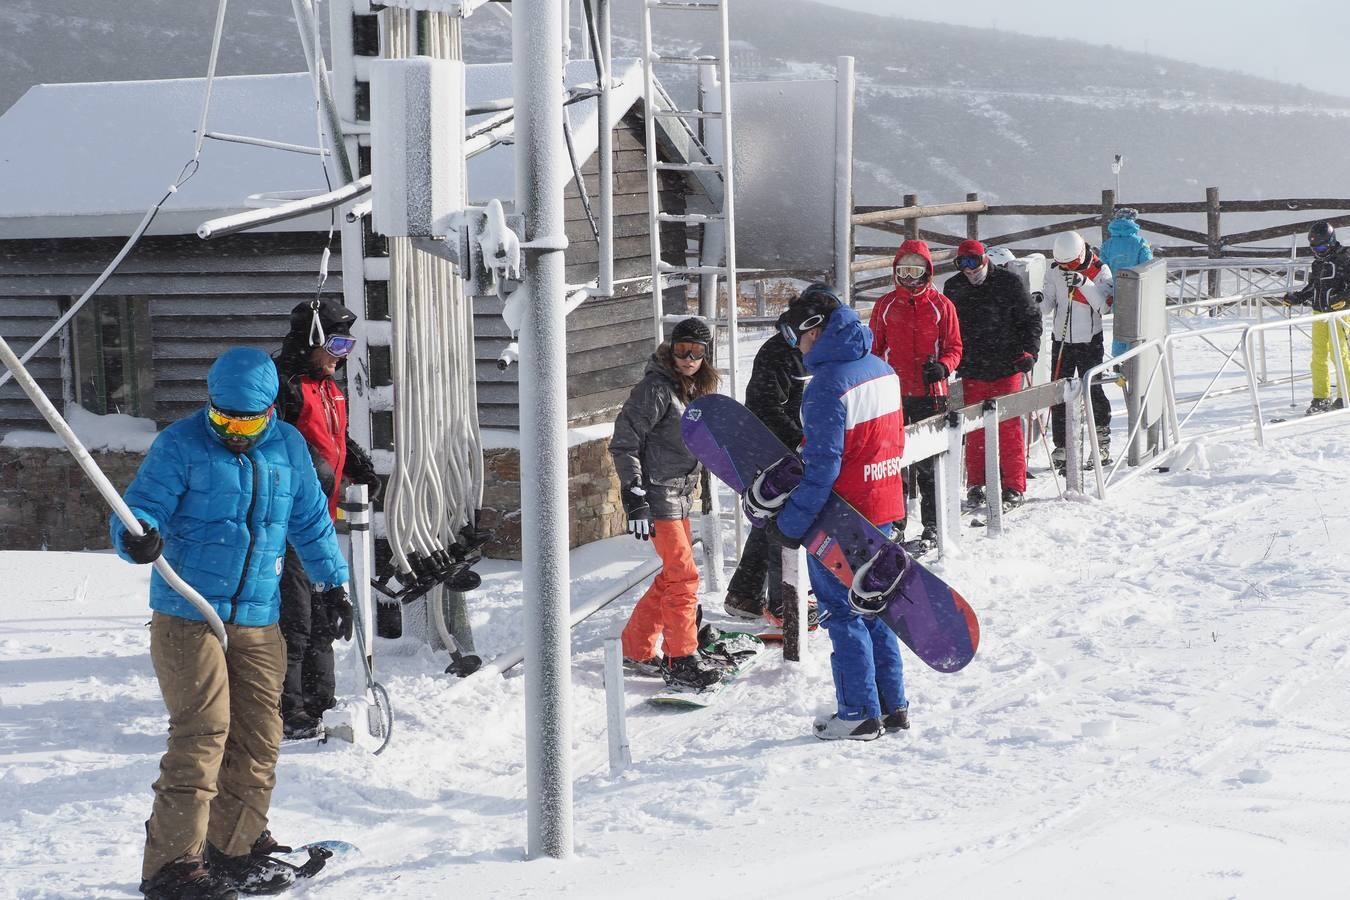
(216, 777)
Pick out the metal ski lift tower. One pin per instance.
(541, 175)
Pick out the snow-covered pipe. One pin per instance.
(104, 486)
(620, 755)
(606, 116)
(227, 225)
(541, 174)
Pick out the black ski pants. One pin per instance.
(761, 565)
(920, 476)
(310, 684)
(1067, 359)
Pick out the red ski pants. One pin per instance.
(669, 609)
(1012, 455)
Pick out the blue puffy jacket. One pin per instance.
(226, 517)
(853, 429)
(1125, 249)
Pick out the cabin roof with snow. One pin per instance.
(87, 160)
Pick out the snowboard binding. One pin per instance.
(878, 580)
(770, 489)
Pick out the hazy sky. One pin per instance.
(1299, 41)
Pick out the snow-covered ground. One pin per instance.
(1160, 707)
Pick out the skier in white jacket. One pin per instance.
(1078, 291)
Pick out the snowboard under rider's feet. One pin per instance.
(693, 672)
(188, 878)
(837, 729)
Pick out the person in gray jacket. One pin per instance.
(657, 479)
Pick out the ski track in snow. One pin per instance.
(1158, 708)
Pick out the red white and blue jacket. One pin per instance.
(854, 430)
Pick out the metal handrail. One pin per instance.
(1337, 322)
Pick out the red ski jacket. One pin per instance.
(910, 328)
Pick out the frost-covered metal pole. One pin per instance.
(843, 179)
(541, 173)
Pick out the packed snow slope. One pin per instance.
(1159, 708)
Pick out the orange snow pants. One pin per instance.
(669, 609)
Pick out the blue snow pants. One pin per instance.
(869, 678)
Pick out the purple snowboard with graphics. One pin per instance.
(925, 612)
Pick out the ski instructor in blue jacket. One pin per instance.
(219, 495)
(853, 438)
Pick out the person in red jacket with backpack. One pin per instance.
(916, 330)
(314, 615)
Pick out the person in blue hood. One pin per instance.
(219, 495)
(1124, 249)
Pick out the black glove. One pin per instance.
(1024, 363)
(934, 371)
(775, 534)
(339, 611)
(1291, 300)
(146, 548)
(374, 486)
(639, 513)
(1074, 279)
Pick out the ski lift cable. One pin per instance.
(189, 169)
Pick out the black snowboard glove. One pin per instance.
(638, 511)
(934, 371)
(146, 548)
(339, 612)
(1024, 363)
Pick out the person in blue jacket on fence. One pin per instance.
(1124, 249)
(853, 438)
(219, 495)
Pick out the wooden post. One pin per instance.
(1213, 240)
(973, 220)
(912, 225)
(1108, 210)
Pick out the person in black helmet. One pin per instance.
(1327, 290)
(314, 615)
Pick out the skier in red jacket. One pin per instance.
(915, 330)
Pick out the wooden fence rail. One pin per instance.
(904, 220)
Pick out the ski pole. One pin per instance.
(104, 486)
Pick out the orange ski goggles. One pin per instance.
(231, 424)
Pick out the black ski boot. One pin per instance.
(255, 872)
(743, 606)
(188, 878)
(299, 726)
(897, 720)
(1012, 499)
(642, 668)
(975, 498)
(694, 672)
(923, 544)
(1319, 405)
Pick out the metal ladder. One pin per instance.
(659, 104)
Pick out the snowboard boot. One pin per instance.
(188, 878)
(694, 672)
(837, 729)
(897, 720)
(1319, 405)
(1060, 459)
(1104, 445)
(773, 613)
(642, 668)
(975, 497)
(255, 872)
(299, 725)
(923, 544)
(1012, 499)
(743, 606)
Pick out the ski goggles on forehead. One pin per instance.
(793, 335)
(911, 272)
(969, 262)
(231, 424)
(339, 345)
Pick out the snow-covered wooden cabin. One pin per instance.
(81, 163)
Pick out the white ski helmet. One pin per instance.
(1000, 256)
(1069, 248)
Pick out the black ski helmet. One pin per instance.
(811, 309)
(313, 320)
(1322, 239)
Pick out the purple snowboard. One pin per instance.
(928, 615)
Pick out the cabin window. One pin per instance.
(111, 355)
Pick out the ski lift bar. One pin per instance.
(227, 225)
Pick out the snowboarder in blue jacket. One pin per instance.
(1124, 249)
(853, 432)
(219, 495)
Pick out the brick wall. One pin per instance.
(46, 502)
